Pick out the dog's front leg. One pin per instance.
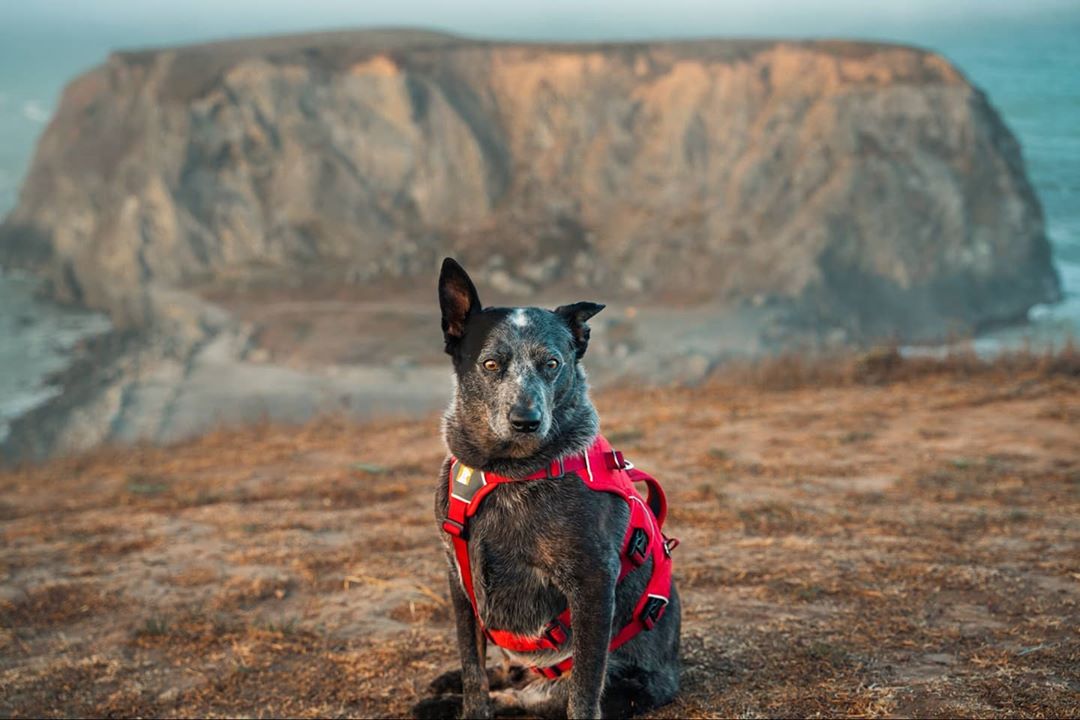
(592, 606)
(473, 648)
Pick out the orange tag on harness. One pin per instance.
(464, 474)
(466, 482)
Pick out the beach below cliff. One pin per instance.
(224, 359)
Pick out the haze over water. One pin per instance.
(1025, 56)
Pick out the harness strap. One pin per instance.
(552, 637)
(643, 539)
(468, 488)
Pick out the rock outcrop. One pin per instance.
(867, 188)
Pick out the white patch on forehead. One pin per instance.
(519, 318)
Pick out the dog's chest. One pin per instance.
(526, 540)
(513, 567)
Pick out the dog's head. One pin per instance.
(517, 370)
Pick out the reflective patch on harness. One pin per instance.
(466, 482)
(463, 474)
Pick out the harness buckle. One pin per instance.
(670, 544)
(653, 611)
(555, 633)
(638, 547)
(619, 461)
(562, 468)
(453, 527)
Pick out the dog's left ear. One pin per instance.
(576, 316)
(457, 300)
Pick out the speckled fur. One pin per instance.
(539, 546)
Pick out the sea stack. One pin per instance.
(868, 188)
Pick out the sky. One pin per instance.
(150, 22)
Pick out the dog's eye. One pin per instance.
(492, 365)
(552, 364)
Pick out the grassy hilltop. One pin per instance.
(863, 537)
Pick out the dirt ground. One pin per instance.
(902, 546)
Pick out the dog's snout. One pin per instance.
(525, 418)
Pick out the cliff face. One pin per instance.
(867, 187)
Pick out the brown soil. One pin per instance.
(897, 544)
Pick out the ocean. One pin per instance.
(1031, 73)
(1032, 76)
(36, 340)
(36, 337)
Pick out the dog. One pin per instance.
(547, 545)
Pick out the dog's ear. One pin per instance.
(457, 300)
(576, 316)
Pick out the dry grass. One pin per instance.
(870, 537)
(885, 365)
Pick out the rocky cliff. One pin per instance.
(867, 188)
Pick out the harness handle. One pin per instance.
(657, 501)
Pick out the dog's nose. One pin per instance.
(524, 419)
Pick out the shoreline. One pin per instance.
(41, 338)
(198, 367)
(201, 366)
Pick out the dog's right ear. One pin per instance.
(457, 300)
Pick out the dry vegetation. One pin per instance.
(868, 537)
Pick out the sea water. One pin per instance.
(36, 339)
(1031, 74)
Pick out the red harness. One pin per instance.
(602, 469)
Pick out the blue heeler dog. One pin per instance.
(540, 547)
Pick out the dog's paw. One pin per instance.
(498, 678)
(480, 712)
(438, 708)
(448, 682)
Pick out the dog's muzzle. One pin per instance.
(525, 419)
